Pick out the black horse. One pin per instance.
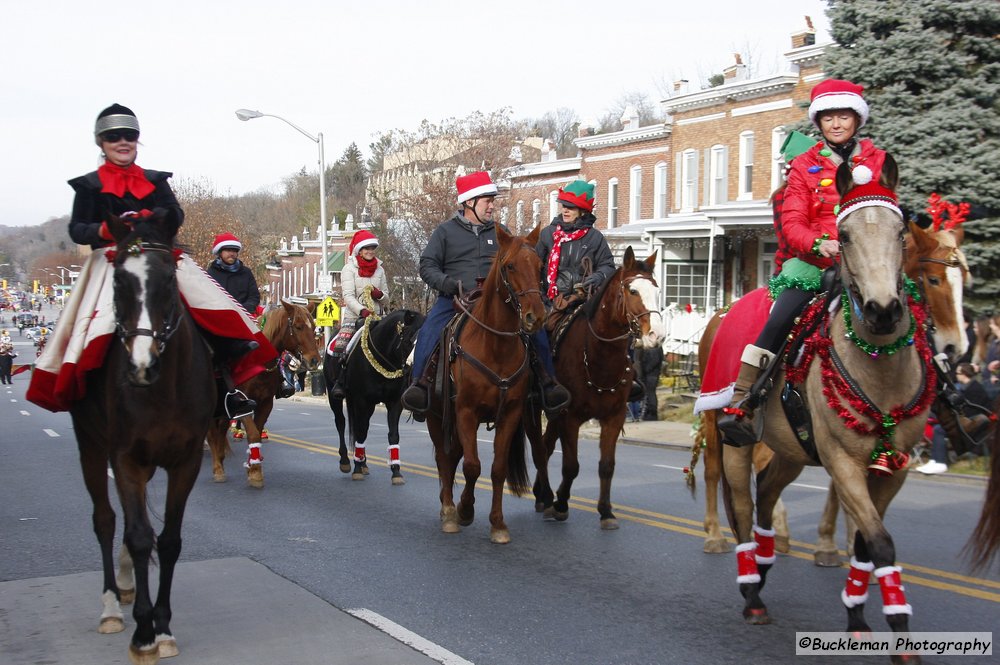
(376, 372)
(149, 405)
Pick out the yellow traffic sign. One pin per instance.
(327, 313)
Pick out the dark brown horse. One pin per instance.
(592, 362)
(148, 406)
(934, 260)
(488, 363)
(288, 328)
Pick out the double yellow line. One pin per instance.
(942, 580)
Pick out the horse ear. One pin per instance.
(311, 306)
(629, 260)
(890, 173)
(118, 228)
(958, 232)
(650, 261)
(922, 240)
(503, 237)
(289, 307)
(532, 238)
(844, 179)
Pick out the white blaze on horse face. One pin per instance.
(650, 296)
(140, 347)
(957, 338)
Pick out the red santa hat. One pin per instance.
(865, 194)
(361, 240)
(473, 185)
(224, 240)
(834, 94)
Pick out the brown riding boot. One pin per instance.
(736, 421)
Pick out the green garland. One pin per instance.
(876, 350)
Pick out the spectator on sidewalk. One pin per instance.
(649, 363)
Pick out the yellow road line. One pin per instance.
(684, 525)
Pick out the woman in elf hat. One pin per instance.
(809, 224)
(121, 188)
(363, 284)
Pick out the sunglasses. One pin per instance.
(129, 135)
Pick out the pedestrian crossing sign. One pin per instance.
(328, 313)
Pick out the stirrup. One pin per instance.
(736, 425)
(338, 391)
(285, 391)
(414, 392)
(555, 398)
(238, 405)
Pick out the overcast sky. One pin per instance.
(347, 69)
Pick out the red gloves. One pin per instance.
(377, 293)
(104, 232)
(365, 313)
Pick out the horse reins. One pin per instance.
(632, 329)
(171, 323)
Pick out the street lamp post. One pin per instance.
(325, 283)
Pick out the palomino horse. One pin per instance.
(374, 373)
(592, 362)
(935, 262)
(488, 360)
(867, 381)
(288, 328)
(149, 405)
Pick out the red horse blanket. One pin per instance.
(740, 326)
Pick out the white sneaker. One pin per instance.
(933, 467)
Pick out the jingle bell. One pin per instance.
(881, 465)
(899, 460)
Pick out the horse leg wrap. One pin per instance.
(359, 452)
(746, 564)
(253, 454)
(856, 591)
(394, 454)
(765, 545)
(893, 597)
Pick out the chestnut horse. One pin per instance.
(148, 405)
(592, 362)
(374, 372)
(288, 328)
(984, 543)
(868, 386)
(935, 262)
(488, 365)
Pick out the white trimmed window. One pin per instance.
(635, 193)
(746, 166)
(778, 135)
(612, 203)
(660, 190)
(536, 212)
(520, 216)
(718, 174)
(553, 204)
(689, 179)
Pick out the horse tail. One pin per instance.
(699, 445)
(517, 465)
(984, 543)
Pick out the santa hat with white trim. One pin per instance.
(362, 239)
(226, 240)
(474, 185)
(833, 94)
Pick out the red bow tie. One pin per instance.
(116, 180)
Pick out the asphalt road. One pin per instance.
(318, 568)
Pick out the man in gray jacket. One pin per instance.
(461, 251)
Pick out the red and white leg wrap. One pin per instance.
(359, 452)
(856, 590)
(393, 454)
(893, 596)
(253, 454)
(746, 564)
(765, 544)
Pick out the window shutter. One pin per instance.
(724, 166)
(678, 179)
(694, 175)
(707, 182)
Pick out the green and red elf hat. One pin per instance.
(579, 194)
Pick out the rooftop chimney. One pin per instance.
(806, 36)
(736, 71)
(681, 86)
(630, 117)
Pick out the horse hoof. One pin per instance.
(756, 616)
(345, 467)
(827, 559)
(560, 515)
(255, 476)
(782, 544)
(398, 480)
(127, 596)
(716, 546)
(539, 507)
(364, 469)
(147, 655)
(111, 625)
(449, 520)
(219, 477)
(609, 524)
(166, 646)
(499, 536)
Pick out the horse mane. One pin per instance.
(591, 306)
(272, 320)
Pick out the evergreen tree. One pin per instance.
(931, 71)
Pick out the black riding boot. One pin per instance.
(417, 397)
(637, 392)
(285, 390)
(337, 390)
(233, 403)
(555, 397)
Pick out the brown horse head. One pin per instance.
(515, 277)
(870, 230)
(640, 295)
(935, 262)
(291, 329)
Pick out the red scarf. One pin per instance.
(116, 180)
(366, 268)
(552, 270)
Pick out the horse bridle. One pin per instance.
(513, 299)
(634, 328)
(171, 322)
(951, 262)
(846, 270)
